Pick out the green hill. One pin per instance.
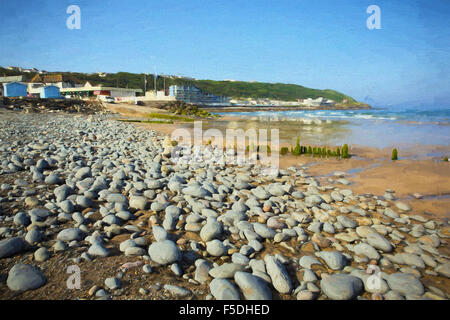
(233, 89)
(276, 91)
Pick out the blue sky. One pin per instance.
(320, 44)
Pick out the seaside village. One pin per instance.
(59, 86)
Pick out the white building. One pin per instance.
(89, 90)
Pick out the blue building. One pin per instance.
(14, 89)
(191, 94)
(50, 92)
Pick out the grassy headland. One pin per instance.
(232, 89)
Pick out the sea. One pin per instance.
(380, 127)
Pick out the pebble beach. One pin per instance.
(89, 192)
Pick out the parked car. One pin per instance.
(107, 99)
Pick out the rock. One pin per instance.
(31, 202)
(350, 236)
(135, 251)
(373, 283)
(34, 236)
(298, 195)
(322, 242)
(405, 284)
(274, 223)
(411, 259)
(391, 213)
(52, 179)
(116, 197)
(403, 206)
(223, 289)
(263, 231)
(216, 248)
(12, 246)
(309, 276)
(39, 213)
(240, 258)
(366, 250)
(315, 227)
(21, 219)
(328, 228)
(305, 295)
(336, 196)
(379, 242)
(196, 190)
(111, 220)
(66, 206)
(252, 287)
(177, 291)
(59, 246)
(260, 193)
(139, 202)
(41, 254)
(23, 277)
(71, 234)
(277, 272)
(393, 295)
(147, 268)
(347, 222)
(97, 249)
(335, 260)
(364, 231)
(226, 270)
(84, 202)
(171, 217)
(113, 283)
(176, 269)
(211, 230)
(124, 215)
(202, 271)
(62, 192)
(308, 261)
(159, 233)
(431, 240)
(83, 173)
(443, 269)
(313, 200)
(93, 290)
(256, 245)
(164, 252)
(102, 294)
(124, 245)
(341, 286)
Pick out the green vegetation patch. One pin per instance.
(145, 121)
(154, 115)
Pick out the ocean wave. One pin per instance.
(425, 116)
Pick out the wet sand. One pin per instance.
(428, 177)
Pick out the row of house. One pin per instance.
(58, 86)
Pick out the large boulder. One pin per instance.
(23, 277)
(164, 252)
(10, 247)
(342, 286)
